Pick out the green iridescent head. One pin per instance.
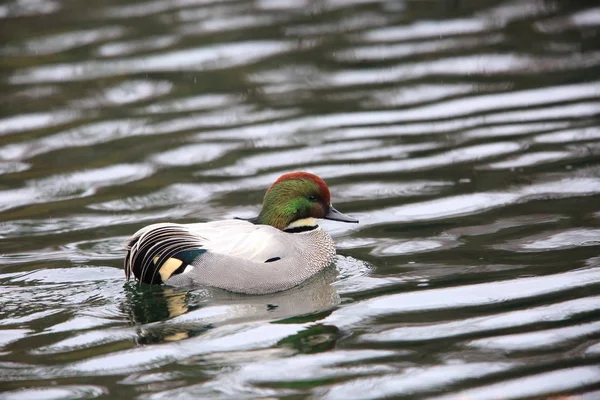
(295, 200)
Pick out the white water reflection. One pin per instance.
(125, 48)
(539, 384)
(240, 382)
(555, 312)
(56, 392)
(424, 29)
(554, 241)
(417, 245)
(282, 158)
(194, 59)
(169, 196)
(397, 51)
(413, 380)
(407, 95)
(514, 129)
(479, 202)
(192, 154)
(26, 122)
(496, 101)
(381, 189)
(145, 8)
(495, 293)
(77, 184)
(536, 340)
(65, 41)
(530, 159)
(22, 8)
(12, 335)
(84, 135)
(464, 154)
(506, 223)
(586, 18)
(570, 135)
(131, 91)
(230, 116)
(498, 64)
(196, 103)
(10, 167)
(225, 23)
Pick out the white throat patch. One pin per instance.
(302, 223)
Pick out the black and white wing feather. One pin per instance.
(156, 252)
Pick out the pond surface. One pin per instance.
(465, 136)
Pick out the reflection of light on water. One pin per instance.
(131, 91)
(65, 41)
(253, 164)
(414, 246)
(587, 18)
(554, 241)
(29, 8)
(557, 381)
(555, 312)
(191, 154)
(10, 167)
(236, 116)
(124, 48)
(513, 129)
(479, 202)
(195, 103)
(195, 59)
(530, 159)
(26, 122)
(230, 23)
(414, 380)
(77, 184)
(408, 95)
(84, 135)
(482, 64)
(490, 293)
(424, 29)
(536, 340)
(364, 191)
(570, 135)
(397, 51)
(58, 392)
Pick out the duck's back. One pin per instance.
(239, 238)
(235, 255)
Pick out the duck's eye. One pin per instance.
(312, 197)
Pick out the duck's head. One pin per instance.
(296, 200)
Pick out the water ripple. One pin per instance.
(539, 384)
(413, 380)
(196, 59)
(56, 392)
(556, 312)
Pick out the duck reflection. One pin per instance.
(315, 339)
(162, 313)
(147, 304)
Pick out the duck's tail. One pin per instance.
(158, 251)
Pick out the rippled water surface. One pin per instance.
(465, 135)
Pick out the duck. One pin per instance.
(277, 250)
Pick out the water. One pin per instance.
(463, 134)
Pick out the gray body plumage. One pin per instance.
(239, 256)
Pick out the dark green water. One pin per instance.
(465, 135)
